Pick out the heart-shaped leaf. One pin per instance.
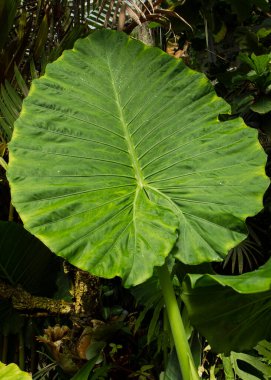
(118, 155)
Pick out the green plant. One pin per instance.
(143, 373)
(114, 348)
(24, 259)
(134, 166)
(33, 33)
(259, 76)
(86, 370)
(262, 369)
(23, 262)
(252, 366)
(12, 371)
(11, 104)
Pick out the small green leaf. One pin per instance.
(262, 105)
(259, 63)
(263, 32)
(264, 348)
(220, 35)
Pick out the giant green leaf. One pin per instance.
(118, 155)
(233, 312)
(12, 372)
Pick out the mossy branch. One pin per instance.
(22, 300)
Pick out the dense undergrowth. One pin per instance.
(60, 322)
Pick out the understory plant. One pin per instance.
(118, 162)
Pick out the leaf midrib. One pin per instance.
(127, 136)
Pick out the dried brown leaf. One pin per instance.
(133, 16)
(122, 17)
(136, 10)
(116, 12)
(169, 13)
(84, 342)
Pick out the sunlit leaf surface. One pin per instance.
(118, 155)
(12, 371)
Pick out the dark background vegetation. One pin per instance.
(230, 42)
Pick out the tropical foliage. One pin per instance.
(123, 158)
(145, 182)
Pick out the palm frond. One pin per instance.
(20, 82)
(8, 9)
(245, 257)
(127, 14)
(11, 104)
(8, 109)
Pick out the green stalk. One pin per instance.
(184, 354)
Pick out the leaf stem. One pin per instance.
(184, 354)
